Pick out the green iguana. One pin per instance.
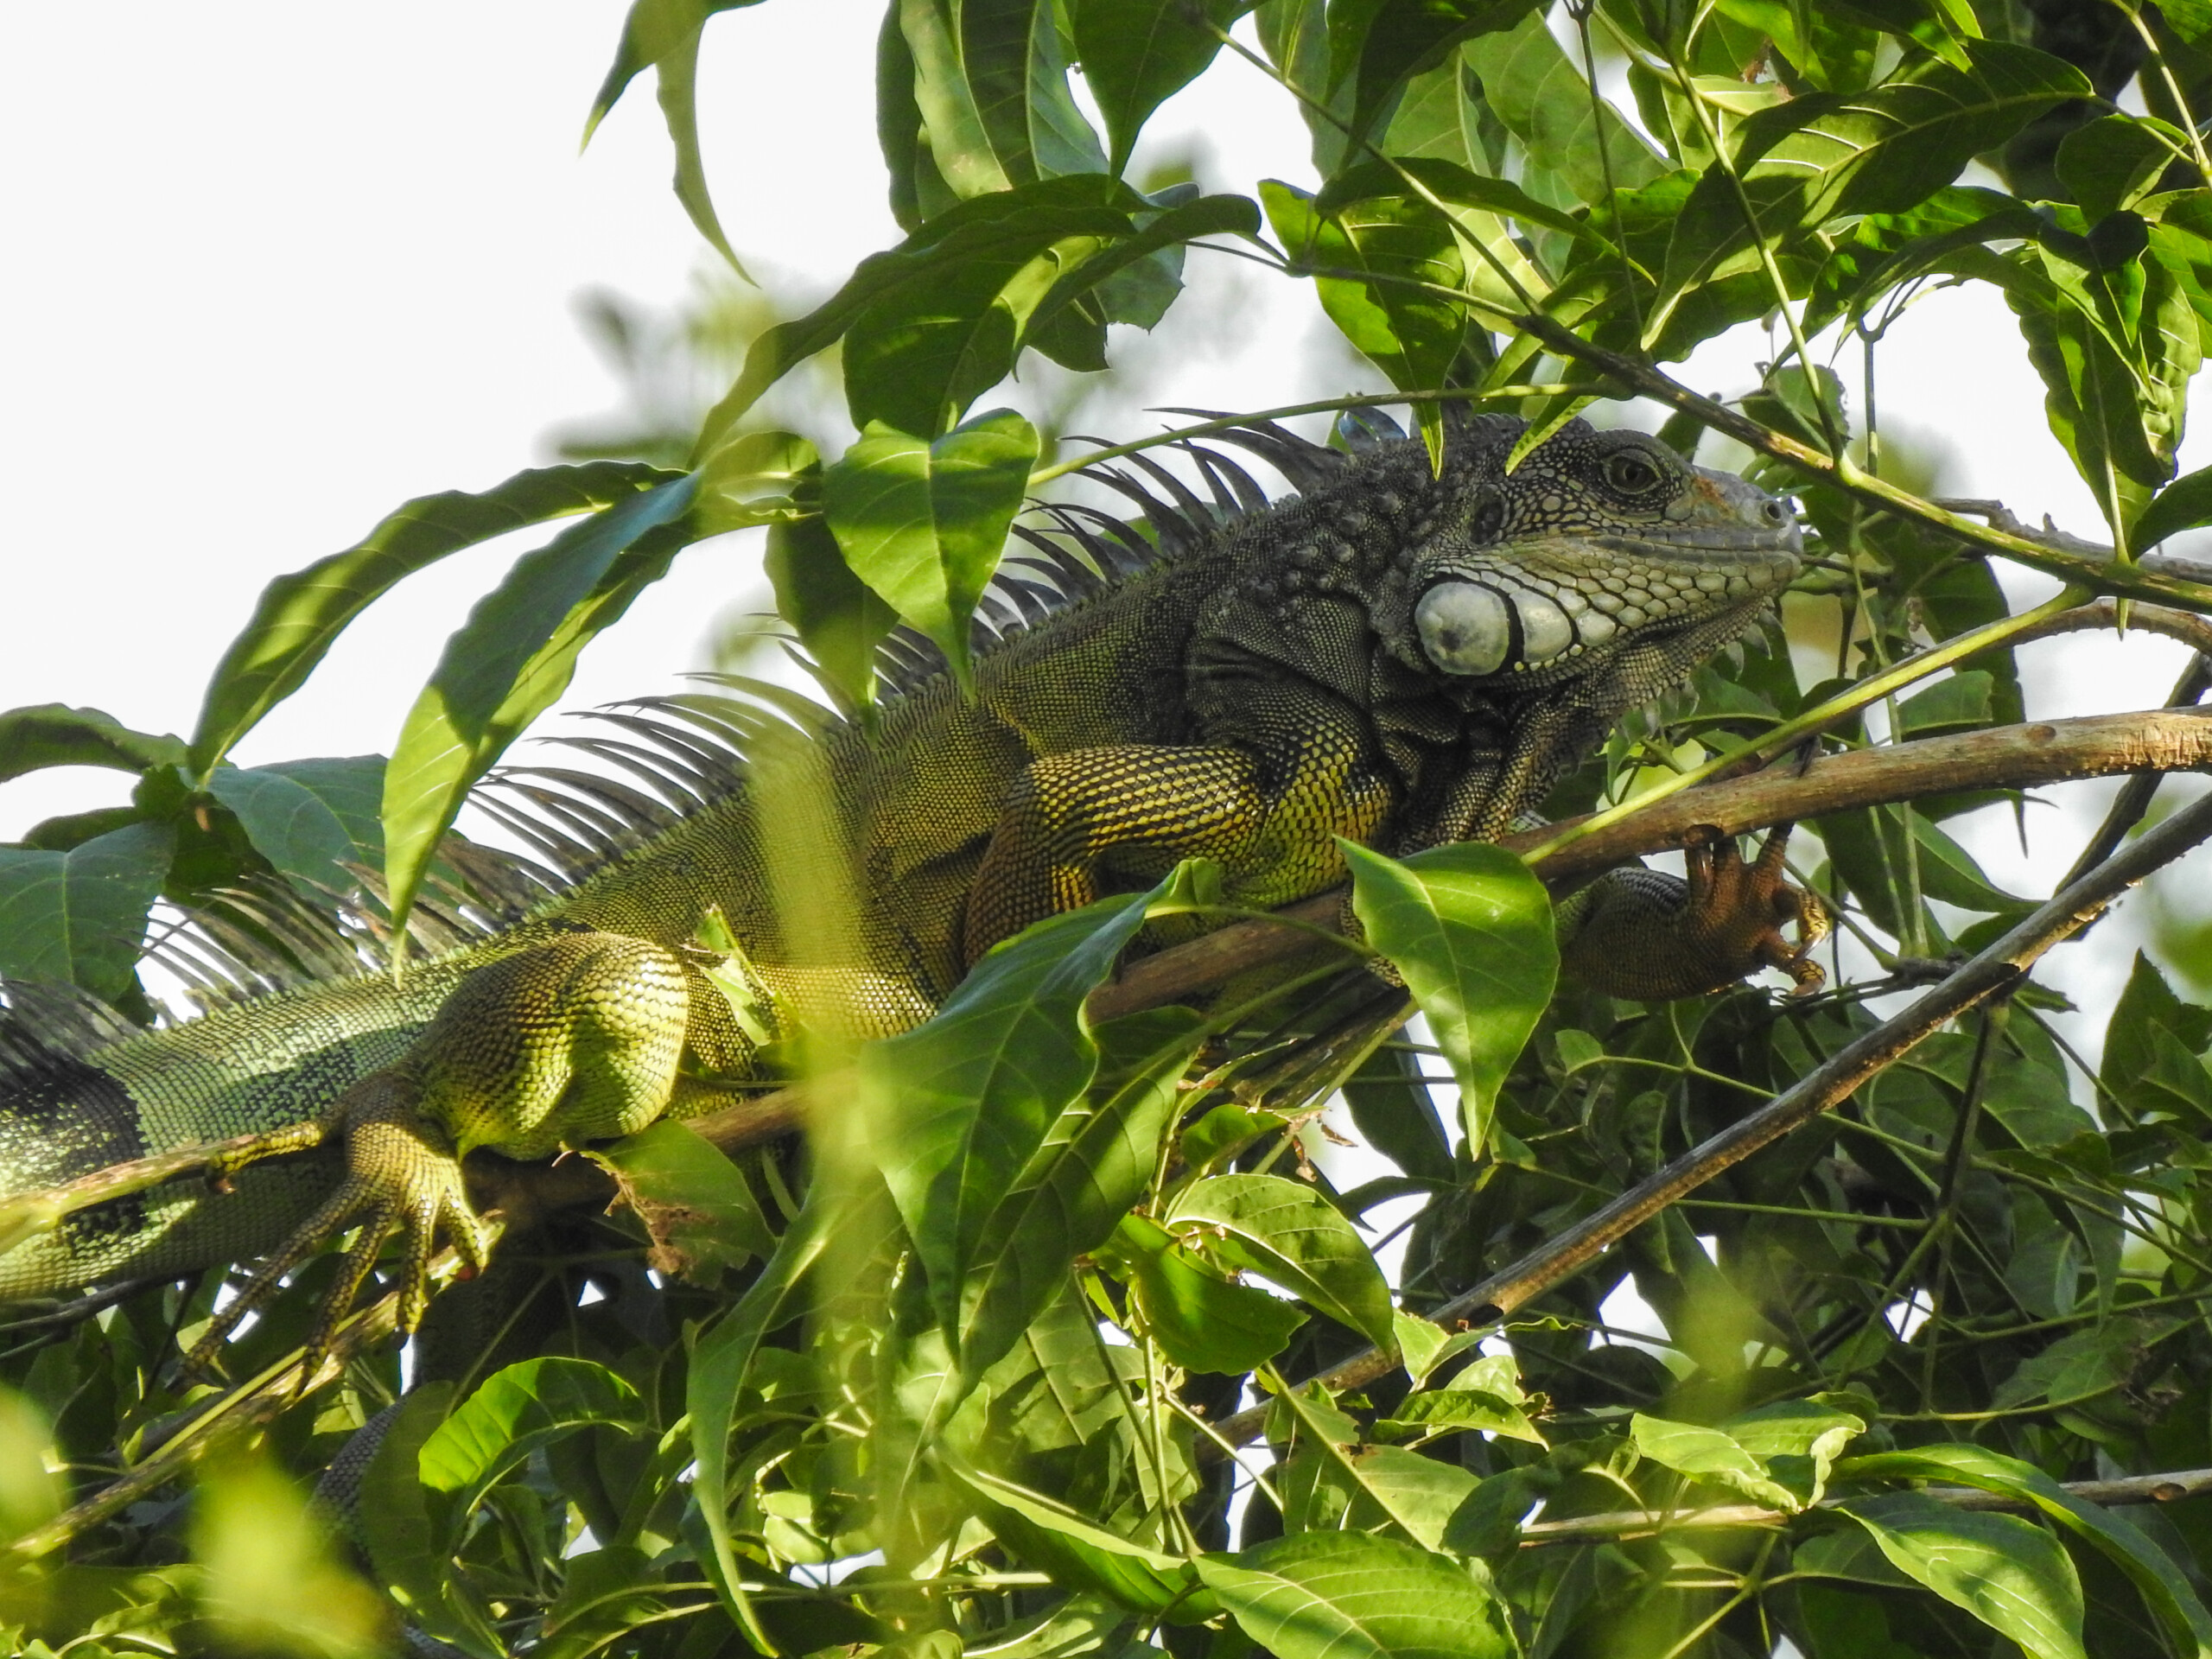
(1395, 655)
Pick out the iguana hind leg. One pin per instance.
(574, 1039)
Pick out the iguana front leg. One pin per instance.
(572, 1039)
(1139, 808)
(1652, 936)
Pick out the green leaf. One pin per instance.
(1224, 1132)
(1380, 44)
(1287, 1232)
(1382, 1485)
(922, 522)
(508, 663)
(990, 87)
(1138, 54)
(1539, 92)
(515, 1412)
(1340, 1595)
(78, 917)
(1708, 1455)
(1796, 1442)
(299, 615)
(1095, 1161)
(1202, 1319)
(723, 1359)
(696, 1204)
(1884, 251)
(1078, 1551)
(49, 734)
(2115, 160)
(1470, 929)
(958, 1106)
(2172, 1599)
(2185, 504)
(291, 825)
(1956, 704)
(403, 1549)
(2007, 1573)
(1412, 335)
(1485, 1395)
(1825, 156)
(664, 34)
(940, 319)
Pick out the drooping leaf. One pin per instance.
(1379, 45)
(723, 1361)
(2114, 161)
(960, 1104)
(2167, 1591)
(2185, 504)
(78, 917)
(1287, 1232)
(48, 734)
(2008, 1573)
(291, 824)
(922, 521)
(509, 662)
(299, 615)
(991, 87)
(1348, 1595)
(1471, 930)
(1580, 149)
(664, 34)
(1138, 54)
(939, 319)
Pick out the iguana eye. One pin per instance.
(1631, 474)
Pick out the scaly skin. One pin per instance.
(1399, 658)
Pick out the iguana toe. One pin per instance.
(402, 1175)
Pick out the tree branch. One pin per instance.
(1638, 1523)
(1992, 972)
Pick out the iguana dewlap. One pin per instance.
(1395, 657)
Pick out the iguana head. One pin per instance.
(1597, 544)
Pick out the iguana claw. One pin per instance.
(1639, 933)
(401, 1176)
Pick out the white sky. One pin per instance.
(273, 269)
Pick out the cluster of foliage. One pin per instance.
(950, 1380)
